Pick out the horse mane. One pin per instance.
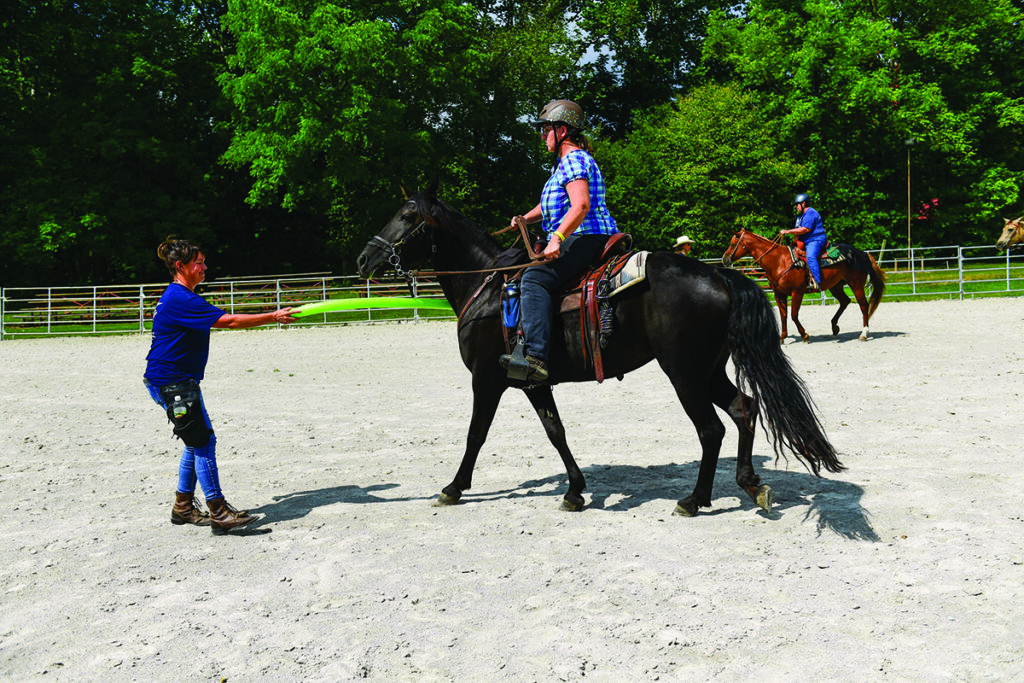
(760, 237)
(456, 224)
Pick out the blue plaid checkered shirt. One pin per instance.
(554, 200)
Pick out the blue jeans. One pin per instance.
(540, 283)
(196, 463)
(814, 249)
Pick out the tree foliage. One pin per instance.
(638, 55)
(279, 133)
(850, 82)
(704, 166)
(340, 104)
(107, 136)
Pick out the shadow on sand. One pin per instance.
(299, 504)
(832, 505)
(844, 337)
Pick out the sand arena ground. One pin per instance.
(908, 566)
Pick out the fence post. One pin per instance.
(323, 294)
(960, 269)
(1007, 270)
(142, 308)
(913, 271)
(49, 307)
(414, 287)
(277, 296)
(3, 298)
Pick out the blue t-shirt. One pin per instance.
(810, 219)
(554, 200)
(181, 336)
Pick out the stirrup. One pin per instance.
(516, 364)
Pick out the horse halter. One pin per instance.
(757, 257)
(394, 250)
(733, 248)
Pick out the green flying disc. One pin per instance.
(374, 302)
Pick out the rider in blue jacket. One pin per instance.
(810, 230)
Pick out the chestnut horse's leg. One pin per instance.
(857, 283)
(782, 301)
(839, 292)
(798, 298)
(543, 401)
(743, 410)
(486, 396)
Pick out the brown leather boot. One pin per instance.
(224, 517)
(187, 511)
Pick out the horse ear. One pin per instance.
(405, 195)
(432, 187)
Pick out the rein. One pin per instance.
(777, 242)
(394, 252)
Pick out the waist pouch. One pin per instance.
(184, 410)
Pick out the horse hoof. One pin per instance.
(572, 504)
(686, 508)
(835, 330)
(806, 338)
(765, 497)
(444, 499)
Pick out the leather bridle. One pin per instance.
(394, 250)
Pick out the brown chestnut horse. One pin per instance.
(787, 280)
(689, 316)
(1013, 234)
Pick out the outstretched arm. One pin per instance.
(241, 321)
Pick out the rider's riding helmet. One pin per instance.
(801, 198)
(561, 111)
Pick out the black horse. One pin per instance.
(687, 315)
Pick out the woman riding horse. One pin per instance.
(687, 315)
(576, 220)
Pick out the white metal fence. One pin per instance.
(39, 311)
(938, 272)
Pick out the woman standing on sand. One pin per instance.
(175, 366)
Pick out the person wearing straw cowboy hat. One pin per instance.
(683, 245)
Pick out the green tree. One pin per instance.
(849, 82)
(706, 165)
(635, 55)
(110, 138)
(341, 104)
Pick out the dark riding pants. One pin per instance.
(540, 283)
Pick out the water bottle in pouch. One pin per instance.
(510, 305)
(179, 407)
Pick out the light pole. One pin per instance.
(909, 142)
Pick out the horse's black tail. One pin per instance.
(765, 372)
(865, 263)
